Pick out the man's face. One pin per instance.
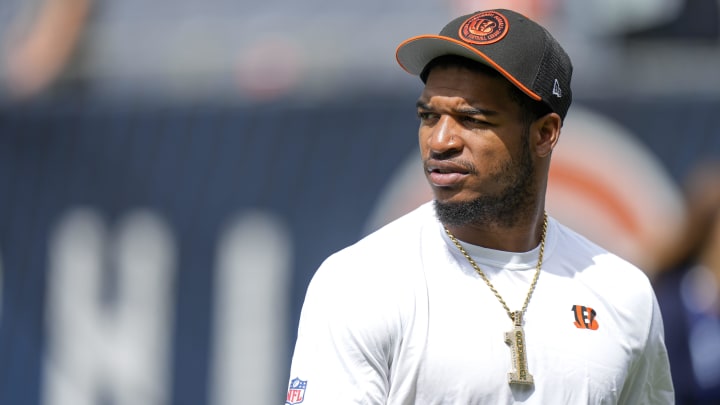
(474, 146)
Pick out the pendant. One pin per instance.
(516, 340)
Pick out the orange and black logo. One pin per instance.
(585, 317)
(484, 28)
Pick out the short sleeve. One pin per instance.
(649, 381)
(345, 339)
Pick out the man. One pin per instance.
(479, 297)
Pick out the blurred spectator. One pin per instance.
(39, 53)
(689, 293)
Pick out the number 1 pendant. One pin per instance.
(516, 340)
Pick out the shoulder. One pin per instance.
(585, 254)
(398, 241)
(600, 270)
(369, 289)
(379, 262)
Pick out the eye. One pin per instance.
(476, 122)
(426, 116)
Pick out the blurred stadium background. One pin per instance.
(173, 172)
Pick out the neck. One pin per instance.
(522, 236)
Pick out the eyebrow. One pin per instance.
(465, 110)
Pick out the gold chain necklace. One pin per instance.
(516, 337)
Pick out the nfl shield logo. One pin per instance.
(296, 391)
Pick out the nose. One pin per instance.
(444, 138)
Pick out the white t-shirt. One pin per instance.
(401, 317)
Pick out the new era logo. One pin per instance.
(557, 91)
(585, 317)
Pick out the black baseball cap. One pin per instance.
(518, 48)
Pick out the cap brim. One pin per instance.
(414, 53)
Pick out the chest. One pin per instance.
(575, 347)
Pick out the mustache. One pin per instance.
(439, 161)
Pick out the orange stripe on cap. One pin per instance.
(472, 49)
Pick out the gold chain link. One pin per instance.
(487, 281)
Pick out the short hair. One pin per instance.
(531, 109)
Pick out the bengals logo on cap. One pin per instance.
(484, 28)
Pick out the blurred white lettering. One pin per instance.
(250, 315)
(110, 343)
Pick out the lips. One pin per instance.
(445, 173)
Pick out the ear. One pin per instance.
(546, 132)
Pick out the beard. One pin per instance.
(505, 208)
